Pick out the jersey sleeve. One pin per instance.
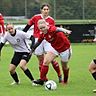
(31, 21)
(4, 38)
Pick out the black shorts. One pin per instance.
(18, 56)
(94, 61)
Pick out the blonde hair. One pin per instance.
(42, 21)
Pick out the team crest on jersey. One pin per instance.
(49, 36)
(47, 23)
(18, 40)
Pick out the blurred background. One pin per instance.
(60, 9)
(76, 15)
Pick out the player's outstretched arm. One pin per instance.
(1, 45)
(32, 38)
(26, 28)
(63, 30)
(94, 40)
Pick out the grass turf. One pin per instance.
(81, 82)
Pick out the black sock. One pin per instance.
(15, 77)
(94, 75)
(28, 74)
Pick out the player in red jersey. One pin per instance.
(2, 30)
(61, 45)
(44, 46)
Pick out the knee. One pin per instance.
(11, 70)
(91, 67)
(46, 62)
(23, 67)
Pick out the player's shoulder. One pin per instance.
(37, 15)
(19, 32)
(50, 17)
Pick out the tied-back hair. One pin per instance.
(9, 24)
(43, 5)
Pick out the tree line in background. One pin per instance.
(60, 9)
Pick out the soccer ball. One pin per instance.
(50, 85)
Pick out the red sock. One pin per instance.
(56, 67)
(43, 73)
(40, 63)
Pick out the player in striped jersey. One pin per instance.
(17, 40)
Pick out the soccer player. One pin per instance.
(61, 45)
(17, 40)
(92, 68)
(2, 29)
(44, 46)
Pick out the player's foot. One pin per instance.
(34, 84)
(39, 82)
(94, 90)
(60, 78)
(15, 83)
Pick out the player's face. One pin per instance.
(43, 28)
(45, 11)
(10, 28)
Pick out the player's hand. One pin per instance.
(68, 31)
(32, 50)
(94, 40)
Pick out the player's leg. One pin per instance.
(65, 56)
(40, 60)
(13, 73)
(39, 52)
(92, 68)
(57, 69)
(24, 60)
(65, 69)
(12, 67)
(44, 70)
(49, 48)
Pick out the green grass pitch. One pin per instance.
(81, 82)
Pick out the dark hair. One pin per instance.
(43, 5)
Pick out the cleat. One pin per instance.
(94, 90)
(39, 82)
(34, 84)
(60, 78)
(15, 83)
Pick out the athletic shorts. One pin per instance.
(18, 56)
(44, 47)
(65, 56)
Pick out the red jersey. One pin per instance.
(57, 39)
(34, 21)
(2, 29)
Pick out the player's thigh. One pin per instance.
(49, 57)
(49, 48)
(65, 56)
